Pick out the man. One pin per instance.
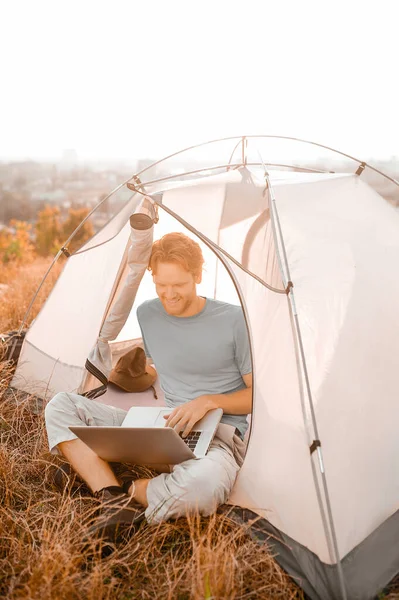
(201, 353)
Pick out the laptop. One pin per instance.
(144, 439)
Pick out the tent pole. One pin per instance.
(278, 137)
(274, 214)
(232, 154)
(244, 150)
(227, 167)
(37, 291)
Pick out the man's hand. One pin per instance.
(184, 417)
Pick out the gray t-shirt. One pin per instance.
(204, 354)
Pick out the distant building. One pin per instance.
(56, 196)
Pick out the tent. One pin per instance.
(312, 257)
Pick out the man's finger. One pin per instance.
(174, 418)
(189, 427)
(170, 416)
(181, 422)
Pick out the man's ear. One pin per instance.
(198, 278)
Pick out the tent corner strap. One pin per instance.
(360, 168)
(65, 251)
(314, 445)
(289, 287)
(137, 183)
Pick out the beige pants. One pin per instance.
(198, 484)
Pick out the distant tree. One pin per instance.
(52, 232)
(5, 242)
(74, 219)
(48, 231)
(15, 243)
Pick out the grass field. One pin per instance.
(42, 555)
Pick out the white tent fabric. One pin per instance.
(61, 337)
(351, 342)
(325, 356)
(343, 256)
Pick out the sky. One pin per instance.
(129, 79)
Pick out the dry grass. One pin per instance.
(20, 283)
(42, 555)
(41, 531)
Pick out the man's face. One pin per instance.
(176, 288)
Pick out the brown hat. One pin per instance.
(130, 372)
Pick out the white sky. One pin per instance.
(142, 78)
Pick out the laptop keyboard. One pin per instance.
(191, 440)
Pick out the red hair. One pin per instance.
(179, 249)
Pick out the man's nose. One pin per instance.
(170, 293)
